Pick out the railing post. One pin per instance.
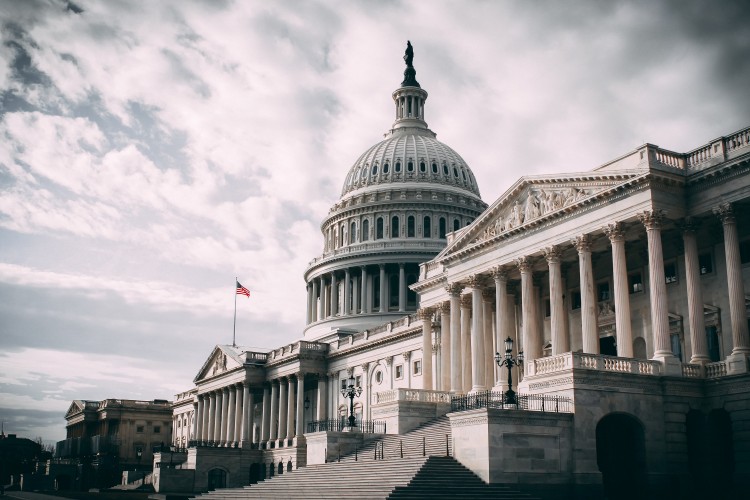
(401, 447)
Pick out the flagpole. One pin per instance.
(234, 329)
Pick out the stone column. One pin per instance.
(333, 395)
(355, 295)
(243, 392)
(322, 400)
(407, 367)
(313, 305)
(589, 326)
(249, 421)
(224, 414)
(383, 298)
(401, 288)
(284, 384)
(658, 292)
(308, 318)
(466, 382)
(616, 234)
(363, 293)
(501, 313)
(454, 290)
(199, 418)
(231, 410)
(274, 412)
(559, 338)
(532, 345)
(347, 293)
(322, 304)
(239, 412)
(737, 311)
(445, 346)
(478, 375)
(300, 404)
(696, 320)
(426, 316)
(216, 428)
(290, 413)
(488, 352)
(334, 295)
(265, 423)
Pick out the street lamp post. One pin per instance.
(509, 361)
(349, 391)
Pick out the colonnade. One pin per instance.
(467, 343)
(224, 417)
(351, 292)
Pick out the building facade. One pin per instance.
(626, 288)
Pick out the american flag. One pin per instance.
(241, 290)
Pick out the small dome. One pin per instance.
(410, 155)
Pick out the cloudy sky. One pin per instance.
(152, 151)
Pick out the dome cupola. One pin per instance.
(399, 200)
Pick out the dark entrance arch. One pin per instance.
(621, 456)
(217, 478)
(710, 453)
(254, 473)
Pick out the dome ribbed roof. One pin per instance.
(410, 155)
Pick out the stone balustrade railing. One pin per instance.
(718, 369)
(569, 360)
(419, 395)
(295, 348)
(716, 151)
(398, 244)
(692, 371)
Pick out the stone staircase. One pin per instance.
(425, 472)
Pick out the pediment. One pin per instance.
(222, 359)
(533, 199)
(76, 407)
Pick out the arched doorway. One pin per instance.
(621, 456)
(710, 453)
(217, 478)
(254, 474)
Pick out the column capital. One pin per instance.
(524, 264)
(652, 219)
(615, 231)
(389, 361)
(488, 295)
(444, 306)
(475, 281)
(365, 367)
(407, 356)
(466, 300)
(382, 267)
(689, 225)
(725, 213)
(454, 289)
(425, 313)
(499, 273)
(401, 265)
(350, 372)
(582, 243)
(552, 254)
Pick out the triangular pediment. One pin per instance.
(532, 200)
(223, 358)
(75, 407)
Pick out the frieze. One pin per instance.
(469, 421)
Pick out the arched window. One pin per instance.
(395, 229)
(353, 233)
(456, 224)
(455, 171)
(445, 169)
(410, 227)
(379, 229)
(442, 228)
(410, 166)
(385, 168)
(427, 227)
(375, 169)
(463, 172)
(398, 166)
(342, 235)
(365, 230)
(422, 166)
(434, 168)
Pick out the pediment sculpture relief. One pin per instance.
(538, 202)
(220, 365)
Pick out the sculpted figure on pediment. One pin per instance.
(532, 207)
(517, 214)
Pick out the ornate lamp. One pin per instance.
(349, 391)
(509, 361)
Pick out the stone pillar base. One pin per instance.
(736, 364)
(670, 365)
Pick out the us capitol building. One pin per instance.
(625, 287)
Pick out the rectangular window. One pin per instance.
(575, 300)
(670, 272)
(358, 381)
(705, 263)
(343, 383)
(635, 282)
(602, 290)
(157, 429)
(418, 367)
(547, 308)
(139, 428)
(399, 372)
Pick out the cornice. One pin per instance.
(408, 334)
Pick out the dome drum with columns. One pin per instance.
(399, 201)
